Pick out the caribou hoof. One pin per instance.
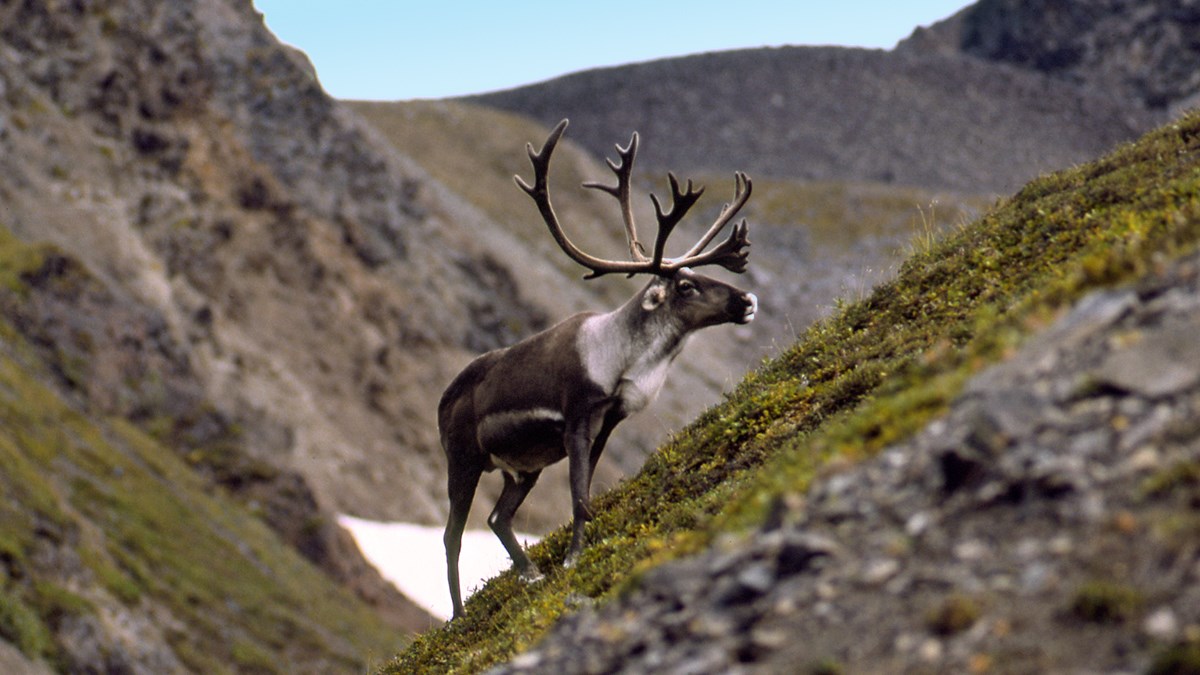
(531, 576)
(571, 559)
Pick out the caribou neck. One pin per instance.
(655, 331)
(629, 343)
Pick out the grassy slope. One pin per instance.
(476, 150)
(874, 372)
(148, 534)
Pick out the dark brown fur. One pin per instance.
(527, 406)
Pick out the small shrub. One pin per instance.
(56, 603)
(21, 626)
(1105, 602)
(1179, 478)
(955, 614)
(827, 667)
(1182, 658)
(251, 658)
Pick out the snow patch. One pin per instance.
(414, 559)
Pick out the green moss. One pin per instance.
(54, 603)
(253, 659)
(1105, 602)
(23, 627)
(1177, 529)
(1180, 478)
(18, 259)
(154, 531)
(829, 666)
(953, 615)
(121, 585)
(1181, 658)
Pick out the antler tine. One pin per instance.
(741, 194)
(637, 252)
(681, 202)
(541, 165)
(733, 254)
(540, 192)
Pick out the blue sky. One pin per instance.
(403, 49)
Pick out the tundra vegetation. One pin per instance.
(873, 373)
(100, 521)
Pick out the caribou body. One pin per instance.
(561, 393)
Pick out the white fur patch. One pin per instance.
(603, 357)
(499, 424)
(752, 310)
(641, 383)
(635, 373)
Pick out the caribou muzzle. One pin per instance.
(744, 307)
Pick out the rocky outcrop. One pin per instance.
(1038, 526)
(1138, 50)
(116, 357)
(188, 160)
(215, 220)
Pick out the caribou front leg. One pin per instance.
(580, 439)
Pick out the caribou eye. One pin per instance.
(686, 287)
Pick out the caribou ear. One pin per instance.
(654, 296)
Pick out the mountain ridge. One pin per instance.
(929, 119)
(1145, 52)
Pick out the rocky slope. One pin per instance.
(116, 556)
(1045, 523)
(1143, 51)
(204, 259)
(924, 119)
(202, 262)
(185, 157)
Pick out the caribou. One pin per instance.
(560, 393)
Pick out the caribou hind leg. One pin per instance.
(463, 480)
(516, 487)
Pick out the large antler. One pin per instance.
(621, 191)
(731, 254)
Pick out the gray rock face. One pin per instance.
(14, 662)
(1143, 50)
(193, 165)
(1026, 529)
(1166, 363)
(222, 227)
